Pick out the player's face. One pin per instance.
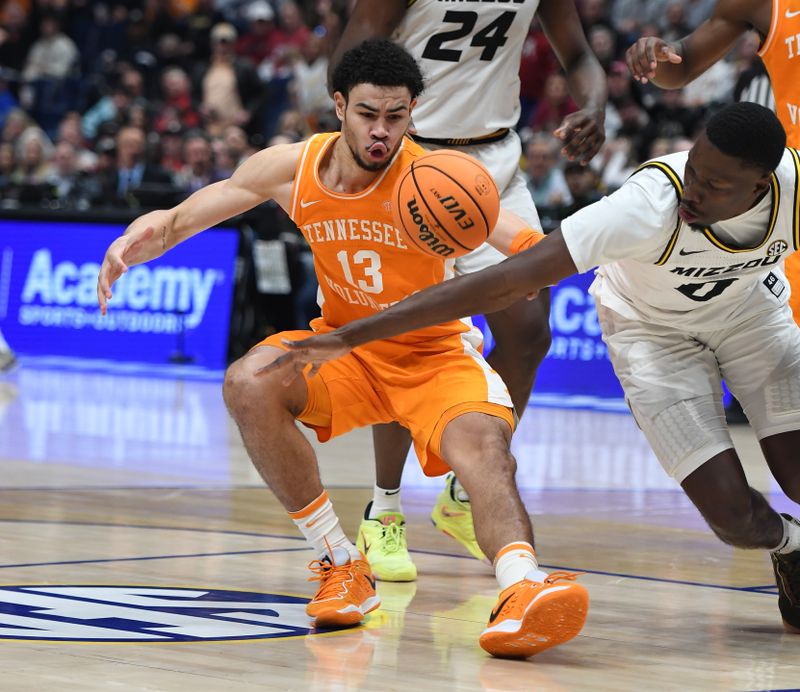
(374, 120)
(717, 186)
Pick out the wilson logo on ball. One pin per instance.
(424, 234)
(446, 202)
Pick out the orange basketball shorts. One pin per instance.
(422, 386)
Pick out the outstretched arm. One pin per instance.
(672, 65)
(583, 133)
(265, 175)
(485, 291)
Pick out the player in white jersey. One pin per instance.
(690, 289)
(470, 53)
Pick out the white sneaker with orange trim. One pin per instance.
(533, 616)
(346, 591)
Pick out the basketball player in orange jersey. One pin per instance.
(672, 65)
(470, 56)
(337, 189)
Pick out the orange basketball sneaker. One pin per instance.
(346, 591)
(533, 616)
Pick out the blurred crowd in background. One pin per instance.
(137, 104)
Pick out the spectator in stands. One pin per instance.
(131, 171)
(752, 81)
(555, 105)
(309, 85)
(545, 179)
(224, 162)
(229, 88)
(69, 130)
(629, 16)
(198, 28)
(176, 106)
(15, 36)
(54, 55)
(292, 31)
(8, 102)
(670, 117)
(537, 63)
(673, 24)
(8, 163)
(260, 39)
(583, 185)
(71, 187)
(238, 145)
(33, 150)
(603, 41)
(697, 11)
(171, 144)
(112, 108)
(199, 169)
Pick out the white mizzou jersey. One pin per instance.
(655, 268)
(469, 52)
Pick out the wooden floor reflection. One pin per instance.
(129, 514)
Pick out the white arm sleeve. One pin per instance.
(635, 222)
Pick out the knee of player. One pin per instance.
(243, 389)
(495, 457)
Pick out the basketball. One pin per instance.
(446, 203)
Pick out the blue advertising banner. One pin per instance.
(576, 371)
(178, 303)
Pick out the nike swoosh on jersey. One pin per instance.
(689, 252)
(790, 14)
(304, 204)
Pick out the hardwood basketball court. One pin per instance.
(140, 551)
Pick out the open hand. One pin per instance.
(314, 351)
(644, 55)
(120, 254)
(582, 133)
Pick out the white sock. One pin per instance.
(319, 524)
(516, 562)
(791, 536)
(458, 490)
(385, 500)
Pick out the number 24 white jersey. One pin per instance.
(469, 51)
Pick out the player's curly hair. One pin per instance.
(749, 132)
(379, 62)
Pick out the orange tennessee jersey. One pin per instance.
(781, 55)
(363, 263)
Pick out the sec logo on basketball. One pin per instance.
(144, 614)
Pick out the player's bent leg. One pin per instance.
(535, 611)
(738, 514)
(522, 339)
(265, 411)
(780, 452)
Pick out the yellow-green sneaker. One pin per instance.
(383, 542)
(454, 517)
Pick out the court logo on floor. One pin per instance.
(144, 614)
